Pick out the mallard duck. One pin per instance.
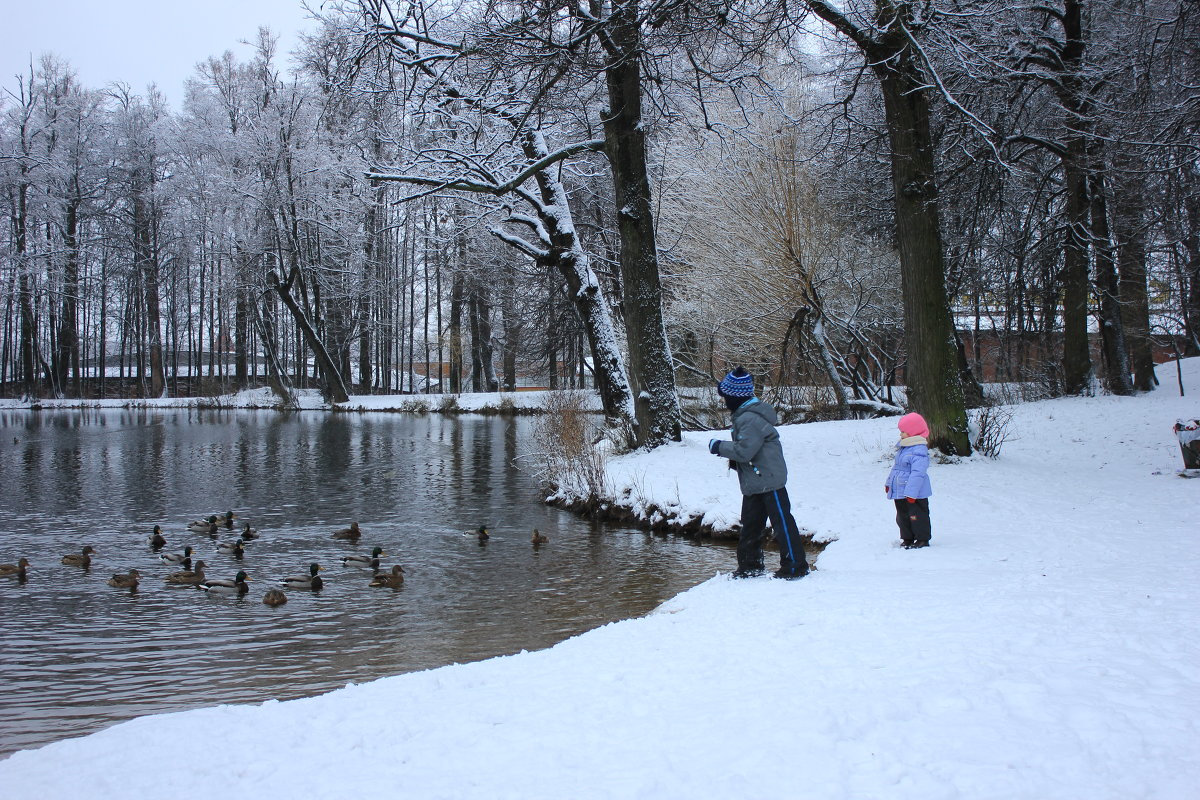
(236, 586)
(127, 581)
(249, 533)
(391, 580)
(481, 532)
(203, 525)
(236, 548)
(188, 577)
(274, 597)
(157, 540)
(17, 569)
(538, 538)
(362, 560)
(352, 533)
(80, 559)
(178, 558)
(310, 581)
(225, 521)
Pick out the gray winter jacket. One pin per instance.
(755, 448)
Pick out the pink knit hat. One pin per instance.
(913, 425)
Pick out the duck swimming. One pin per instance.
(390, 580)
(80, 559)
(481, 532)
(225, 521)
(249, 533)
(14, 570)
(310, 581)
(203, 525)
(236, 586)
(352, 533)
(235, 548)
(274, 597)
(127, 581)
(157, 540)
(361, 560)
(538, 538)
(178, 558)
(188, 577)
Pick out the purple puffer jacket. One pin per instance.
(910, 474)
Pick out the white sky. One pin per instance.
(140, 41)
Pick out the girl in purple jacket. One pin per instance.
(908, 482)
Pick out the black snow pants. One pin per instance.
(913, 519)
(756, 510)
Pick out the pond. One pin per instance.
(79, 655)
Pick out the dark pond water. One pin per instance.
(78, 655)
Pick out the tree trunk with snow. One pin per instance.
(651, 372)
(567, 256)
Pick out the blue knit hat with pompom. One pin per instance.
(737, 383)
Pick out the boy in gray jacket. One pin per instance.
(762, 472)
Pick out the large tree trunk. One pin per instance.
(454, 335)
(483, 370)
(1112, 330)
(1191, 248)
(932, 377)
(1129, 230)
(651, 372)
(1077, 357)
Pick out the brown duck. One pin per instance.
(80, 559)
(352, 533)
(17, 569)
(274, 597)
(188, 577)
(127, 581)
(390, 580)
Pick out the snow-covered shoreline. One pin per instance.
(525, 402)
(1046, 646)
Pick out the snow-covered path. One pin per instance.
(1046, 646)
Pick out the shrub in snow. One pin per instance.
(570, 449)
(990, 429)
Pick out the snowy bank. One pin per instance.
(1046, 646)
(530, 402)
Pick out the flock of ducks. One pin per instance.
(188, 574)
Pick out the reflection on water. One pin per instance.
(78, 654)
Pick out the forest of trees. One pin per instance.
(632, 195)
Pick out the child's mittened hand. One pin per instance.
(714, 447)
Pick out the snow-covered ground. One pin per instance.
(1046, 646)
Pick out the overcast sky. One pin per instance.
(140, 41)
